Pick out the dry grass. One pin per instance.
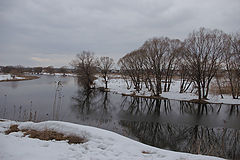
(225, 88)
(176, 77)
(46, 135)
(13, 128)
(146, 152)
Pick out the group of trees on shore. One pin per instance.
(86, 67)
(204, 55)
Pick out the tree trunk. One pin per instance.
(219, 87)
(199, 90)
(106, 82)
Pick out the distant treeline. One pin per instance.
(36, 70)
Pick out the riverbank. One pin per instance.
(8, 77)
(118, 85)
(99, 144)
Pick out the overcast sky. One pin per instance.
(52, 32)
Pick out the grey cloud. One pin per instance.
(58, 29)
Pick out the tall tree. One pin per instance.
(232, 63)
(204, 54)
(37, 70)
(85, 66)
(155, 50)
(132, 66)
(63, 70)
(49, 69)
(170, 62)
(105, 65)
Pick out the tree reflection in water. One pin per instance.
(222, 142)
(195, 108)
(193, 139)
(138, 105)
(234, 110)
(150, 121)
(92, 102)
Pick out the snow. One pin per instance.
(8, 77)
(118, 85)
(101, 145)
(59, 74)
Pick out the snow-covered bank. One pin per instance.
(6, 77)
(100, 145)
(118, 85)
(58, 74)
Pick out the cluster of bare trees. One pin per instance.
(152, 64)
(87, 66)
(196, 60)
(155, 61)
(13, 70)
(203, 54)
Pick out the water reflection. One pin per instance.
(85, 101)
(163, 123)
(234, 110)
(57, 100)
(14, 84)
(139, 106)
(19, 113)
(221, 142)
(196, 108)
(92, 103)
(193, 138)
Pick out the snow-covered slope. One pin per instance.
(100, 145)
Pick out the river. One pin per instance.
(210, 129)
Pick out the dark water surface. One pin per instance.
(210, 129)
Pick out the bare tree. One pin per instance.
(156, 49)
(63, 70)
(232, 62)
(105, 65)
(37, 70)
(131, 66)
(19, 69)
(204, 53)
(170, 62)
(185, 77)
(219, 76)
(85, 66)
(154, 61)
(7, 69)
(49, 69)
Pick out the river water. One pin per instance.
(210, 129)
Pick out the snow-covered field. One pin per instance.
(118, 85)
(101, 145)
(8, 77)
